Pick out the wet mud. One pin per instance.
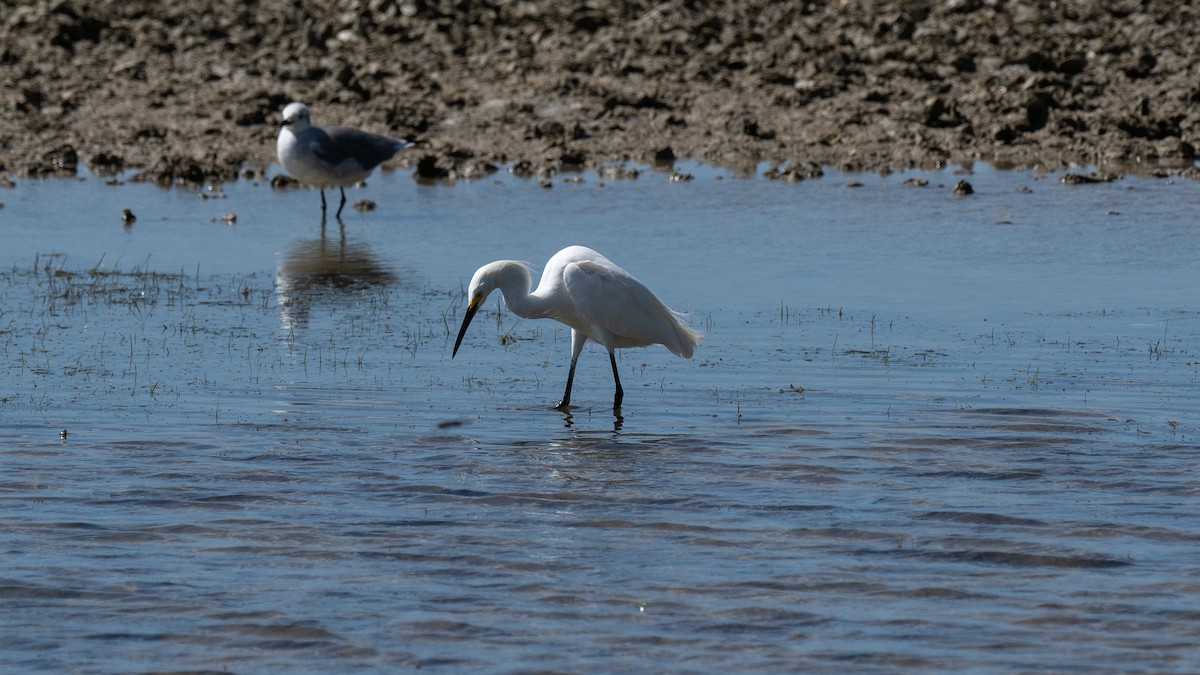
(192, 92)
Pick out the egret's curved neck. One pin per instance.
(515, 285)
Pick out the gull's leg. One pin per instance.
(339, 213)
(577, 341)
(322, 202)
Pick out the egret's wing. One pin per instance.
(611, 299)
(338, 144)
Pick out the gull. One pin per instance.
(595, 298)
(330, 156)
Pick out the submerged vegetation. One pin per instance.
(84, 343)
(81, 341)
(120, 339)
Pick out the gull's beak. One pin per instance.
(286, 121)
(472, 308)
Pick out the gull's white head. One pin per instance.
(295, 117)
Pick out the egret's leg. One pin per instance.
(577, 341)
(566, 399)
(620, 395)
(322, 201)
(343, 203)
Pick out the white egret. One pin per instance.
(591, 295)
(330, 156)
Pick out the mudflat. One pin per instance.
(192, 91)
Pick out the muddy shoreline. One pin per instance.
(192, 92)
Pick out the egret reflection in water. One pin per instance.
(314, 266)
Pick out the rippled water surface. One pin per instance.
(924, 432)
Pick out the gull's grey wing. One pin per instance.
(338, 144)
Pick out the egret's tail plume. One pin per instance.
(687, 337)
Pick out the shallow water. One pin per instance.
(923, 431)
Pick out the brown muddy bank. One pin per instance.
(192, 91)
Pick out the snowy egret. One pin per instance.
(330, 156)
(589, 293)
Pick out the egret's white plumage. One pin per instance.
(598, 300)
(330, 156)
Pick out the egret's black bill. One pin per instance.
(472, 308)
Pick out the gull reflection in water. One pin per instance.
(314, 268)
